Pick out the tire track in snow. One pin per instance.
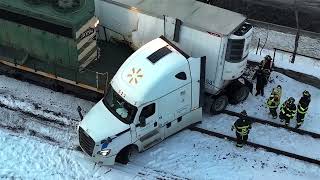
(26, 122)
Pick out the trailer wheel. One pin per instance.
(219, 104)
(240, 95)
(126, 154)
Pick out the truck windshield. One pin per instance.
(123, 110)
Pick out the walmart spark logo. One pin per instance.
(134, 76)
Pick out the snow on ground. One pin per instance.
(55, 101)
(25, 158)
(282, 60)
(256, 105)
(271, 38)
(187, 154)
(274, 39)
(199, 156)
(267, 135)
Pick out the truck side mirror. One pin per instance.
(142, 121)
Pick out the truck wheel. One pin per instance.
(126, 154)
(240, 95)
(219, 104)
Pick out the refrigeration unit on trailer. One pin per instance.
(198, 29)
(155, 93)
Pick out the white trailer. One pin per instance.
(198, 29)
(155, 93)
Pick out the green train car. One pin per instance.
(57, 32)
(52, 38)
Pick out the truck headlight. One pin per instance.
(104, 152)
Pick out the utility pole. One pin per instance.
(296, 41)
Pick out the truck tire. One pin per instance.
(219, 104)
(239, 95)
(126, 154)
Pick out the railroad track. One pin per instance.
(36, 111)
(22, 115)
(256, 145)
(267, 122)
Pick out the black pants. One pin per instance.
(300, 119)
(260, 89)
(241, 139)
(285, 118)
(273, 112)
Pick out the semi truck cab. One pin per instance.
(155, 93)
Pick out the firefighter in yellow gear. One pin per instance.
(242, 126)
(303, 107)
(274, 101)
(287, 111)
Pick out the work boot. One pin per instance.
(281, 120)
(274, 117)
(239, 145)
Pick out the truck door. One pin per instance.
(148, 131)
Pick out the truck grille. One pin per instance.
(86, 142)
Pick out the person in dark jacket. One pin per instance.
(261, 81)
(287, 111)
(266, 65)
(303, 107)
(242, 126)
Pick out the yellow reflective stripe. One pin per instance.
(299, 123)
(242, 127)
(302, 109)
(243, 133)
(302, 112)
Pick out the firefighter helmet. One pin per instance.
(267, 57)
(306, 93)
(244, 113)
(291, 100)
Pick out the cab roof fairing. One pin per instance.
(139, 81)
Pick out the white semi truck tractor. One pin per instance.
(197, 28)
(157, 92)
